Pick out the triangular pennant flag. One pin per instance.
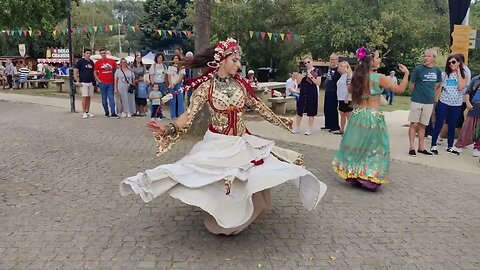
(275, 37)
(269, 35)
(30, 32)
(137, 28)
(95, 28)
(85, 29)
(159, 32)
(282, 36)
(262, 34)
(257, 34)
(79, 30)
(105, 28)
(296, 37)
(25, 32)
(185, 33)
(8, 32)
(170, 32)
(188, 33)
(39, 33)
(289, 36)
(174, 32)
(54, 32)
(164, 33)
(303, 38)
(133, 28)
(20, 32)
(251, 33)
(110, 27)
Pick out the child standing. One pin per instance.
(155, 99)
(142, 94)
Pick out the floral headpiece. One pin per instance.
(361, 53)
(223, 49)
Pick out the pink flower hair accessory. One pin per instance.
(361, 53)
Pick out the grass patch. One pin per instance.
(400, 103)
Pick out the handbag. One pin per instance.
(131, 87)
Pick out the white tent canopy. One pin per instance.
(98, 57)
(149, 59)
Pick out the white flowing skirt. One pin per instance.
(199, 178)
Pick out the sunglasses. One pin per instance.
(452, 62)
(308, 62)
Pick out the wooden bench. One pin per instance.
(59, 84)
(279, 104)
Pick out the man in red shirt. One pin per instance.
(104, 70)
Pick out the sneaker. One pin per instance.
(115, 116)
(333, 130)
(434, 150)
(85, 115)
(123, 115)
(295, 130)
(158, 119)
(129, 115)
(337, 132)
(412, 153)
(457, 149)
(425, 152)
(325, 128)
(308, 132)
(91, 115)
(453, 151)
(107, 114)
(476, 153)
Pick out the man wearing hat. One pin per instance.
(251, 78)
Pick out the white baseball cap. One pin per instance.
(251, 72)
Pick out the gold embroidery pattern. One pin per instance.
(262, 109)
(199, 97)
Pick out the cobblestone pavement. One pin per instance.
(60, 209)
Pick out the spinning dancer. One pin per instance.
(229, 173)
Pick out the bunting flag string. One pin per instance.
(165, 33)
(275, 36)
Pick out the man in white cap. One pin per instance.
(251, 78)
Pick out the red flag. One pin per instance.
(262, 34)
(289, 36)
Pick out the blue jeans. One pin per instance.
(445, 112)
(295, 95)
(107, 93)
(389, 96)
(177, 103)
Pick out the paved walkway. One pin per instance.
(60, 208)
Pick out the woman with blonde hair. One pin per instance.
(344, 98)
(308, 100)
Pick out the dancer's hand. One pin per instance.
(156, 127)
(403, 69)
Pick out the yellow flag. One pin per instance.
(133, 28)
(269, 35)
(159, 32)
(54, 32)
(110, 27)
(30, 32)
(95, 28)
(170, 32)
(282, 36)
(251, 33)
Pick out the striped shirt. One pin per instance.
(23, 73)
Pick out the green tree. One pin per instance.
(164, 14)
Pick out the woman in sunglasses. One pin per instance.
(229, 173)
(308, 99)
(449, 106)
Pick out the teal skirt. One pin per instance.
(364, 152)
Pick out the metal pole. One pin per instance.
(70, 57)
(120, 39)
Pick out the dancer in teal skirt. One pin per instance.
(363, 158)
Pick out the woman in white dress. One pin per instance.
(229, 173)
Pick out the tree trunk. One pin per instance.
(202, 42)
